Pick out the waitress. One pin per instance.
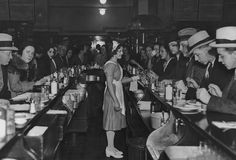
(113, 103)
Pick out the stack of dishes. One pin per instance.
(189, 107)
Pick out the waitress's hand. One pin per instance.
(135, 78)
(117, 106)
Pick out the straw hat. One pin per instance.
(199, 39)
(225, 37)
(186, 33)
(6, 42)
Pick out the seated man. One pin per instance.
(217, 100)
(6, 49)
(206, 55)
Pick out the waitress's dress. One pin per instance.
(114, 120)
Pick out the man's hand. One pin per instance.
(203, 95)
(191, 83)
(215, 90)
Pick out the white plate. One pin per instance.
(181, 152)
(22, 97)
(24, 115)
(190, 112)
(187, 108)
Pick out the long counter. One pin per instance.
(185, 129)
(29, 144)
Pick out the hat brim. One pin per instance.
(8, 48)
(223, 45)
(202, 44)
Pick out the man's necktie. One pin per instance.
(208, 70)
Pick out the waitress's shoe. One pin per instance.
(118, 151)
(110, 152)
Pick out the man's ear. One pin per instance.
(234, 53)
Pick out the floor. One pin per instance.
(85, 139)
(91, 145)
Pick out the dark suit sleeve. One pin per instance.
(226, 103)
(168, 73)
(222, 105)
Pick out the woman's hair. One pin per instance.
(148, 45)
(117, 48)
(24, 45)
(70, 48)
(167, 48)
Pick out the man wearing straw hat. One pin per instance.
(6, 48)
(218, 100)
(199, 45)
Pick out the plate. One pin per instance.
(24, 115)
(22, 97)
(187, 108)
(197, 104)
(191, 112)
(181, 152)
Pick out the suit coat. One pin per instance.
(168, 71)
(195, 70)
(226, 103)
(43, 67)
(179, 71)
(60, 62)
(218, 75)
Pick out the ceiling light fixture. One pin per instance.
(102, 11)
(103, 1)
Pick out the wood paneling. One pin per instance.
(165, 10)
(88, 20)
(4, 10)
(229, 12)
(90, 3)
(210, 10)
(21, 10)
(41, 13)
(185, 10)
(143, 7)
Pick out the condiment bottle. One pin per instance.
(169, 92)
(54, 87)
(3, 122)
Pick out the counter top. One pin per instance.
(200, 123)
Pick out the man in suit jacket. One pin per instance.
(216, 73)
(180, 69)
(199, 47)
(217, 100)
(6, 49)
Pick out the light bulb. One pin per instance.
(103, 1)
(102, 11)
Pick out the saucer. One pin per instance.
(187, 108)
(191, 112)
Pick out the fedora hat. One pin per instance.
(199, 39)
(6, 42)
(225, 37)
(186, 33)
